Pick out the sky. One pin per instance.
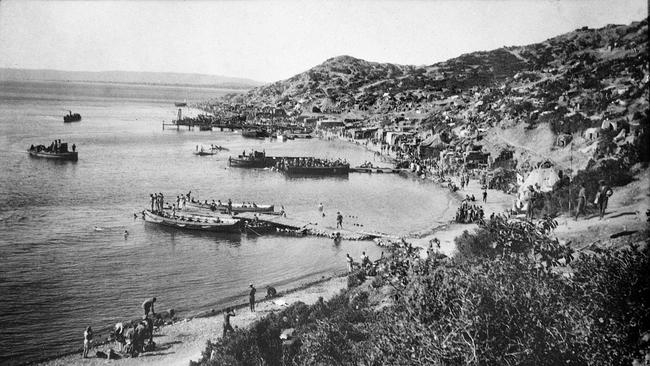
(273, 40)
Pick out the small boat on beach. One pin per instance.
(72, 117)
(59, 152)
(193, 222)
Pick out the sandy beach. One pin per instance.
(183, 341)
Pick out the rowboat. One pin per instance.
(194, 222)
(205, 152)
(236, 207)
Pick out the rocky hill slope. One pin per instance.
(585, 73)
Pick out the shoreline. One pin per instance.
(178, 343)
(184, 340)
(193, 314)
(194, 325)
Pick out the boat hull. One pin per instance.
(247, 163)
(256, 134)
(237, 207)
(71, 155)
(197, 223)
(330, 170)
(76, 117)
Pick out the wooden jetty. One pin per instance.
(310, 228)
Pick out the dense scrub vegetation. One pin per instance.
(509, 298)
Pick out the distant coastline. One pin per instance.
(130, 78)
(170, 85)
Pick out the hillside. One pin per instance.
(564, 85)
(589, 68)
(131, 77)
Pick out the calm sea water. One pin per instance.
(59, 273)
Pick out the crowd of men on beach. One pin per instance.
(469, 213)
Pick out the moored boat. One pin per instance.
(72, 117)
(255, 160)
(193, 222)
(313, 166)
(342, 169)
(59, 152)
(204, 153)
(254, 133)
(236, 207)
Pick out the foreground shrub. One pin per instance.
(502, 308)
(501, 237)
(356, 278)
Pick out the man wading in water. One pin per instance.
(148, 305)
(339, 220)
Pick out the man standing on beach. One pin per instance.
(485, 196)
(339, 220)
(226, 321)
(88, 339)
(350, 263)
(251, 297)
(148, 305)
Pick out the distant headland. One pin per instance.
(129, 77)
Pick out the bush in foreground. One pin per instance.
(503, 308)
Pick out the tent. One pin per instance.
(542, 179)
(433, 141)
